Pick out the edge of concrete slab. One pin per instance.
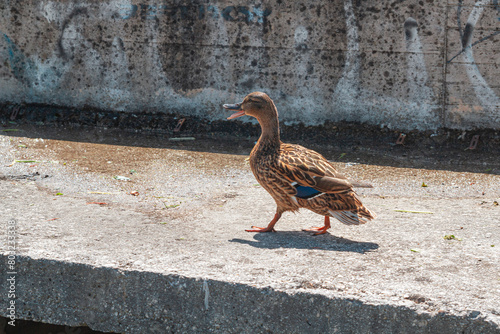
(114, 300)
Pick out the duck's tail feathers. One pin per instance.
(360, 184)
(355, 217)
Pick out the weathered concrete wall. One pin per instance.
(404, 64)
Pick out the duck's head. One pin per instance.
(256, 104)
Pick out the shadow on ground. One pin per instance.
(443, 149)
(304, 240)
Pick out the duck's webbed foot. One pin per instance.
(320, 230)
(261, 229)
(269, 228)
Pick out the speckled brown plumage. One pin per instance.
(295, 176)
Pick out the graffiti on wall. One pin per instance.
(422, 100)
(487, 98)
(467, 32)
(352, 97)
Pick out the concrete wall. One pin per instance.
(404, 64)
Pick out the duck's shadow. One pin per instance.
(305, 240)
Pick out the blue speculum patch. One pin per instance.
(306, 192)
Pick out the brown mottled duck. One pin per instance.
(297, 177)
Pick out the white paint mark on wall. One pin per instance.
(347, 91)
(207, 293)
(364, 104)
(418, 90)
(304, 103)
(300, 35)
(50, 11)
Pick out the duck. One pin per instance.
(297, 177)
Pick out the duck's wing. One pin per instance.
(309, 172)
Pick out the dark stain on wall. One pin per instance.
(194, 64)
(467, 37)
(410, 28)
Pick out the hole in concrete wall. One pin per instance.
(32, 327)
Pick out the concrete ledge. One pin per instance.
(108, 299)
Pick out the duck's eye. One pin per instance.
(256, 103)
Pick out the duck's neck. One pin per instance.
(269, 141)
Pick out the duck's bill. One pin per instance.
(235, 107)
(237, 114)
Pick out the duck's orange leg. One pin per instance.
(269, 228)
(322, 229)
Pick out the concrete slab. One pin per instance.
(176, 257)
